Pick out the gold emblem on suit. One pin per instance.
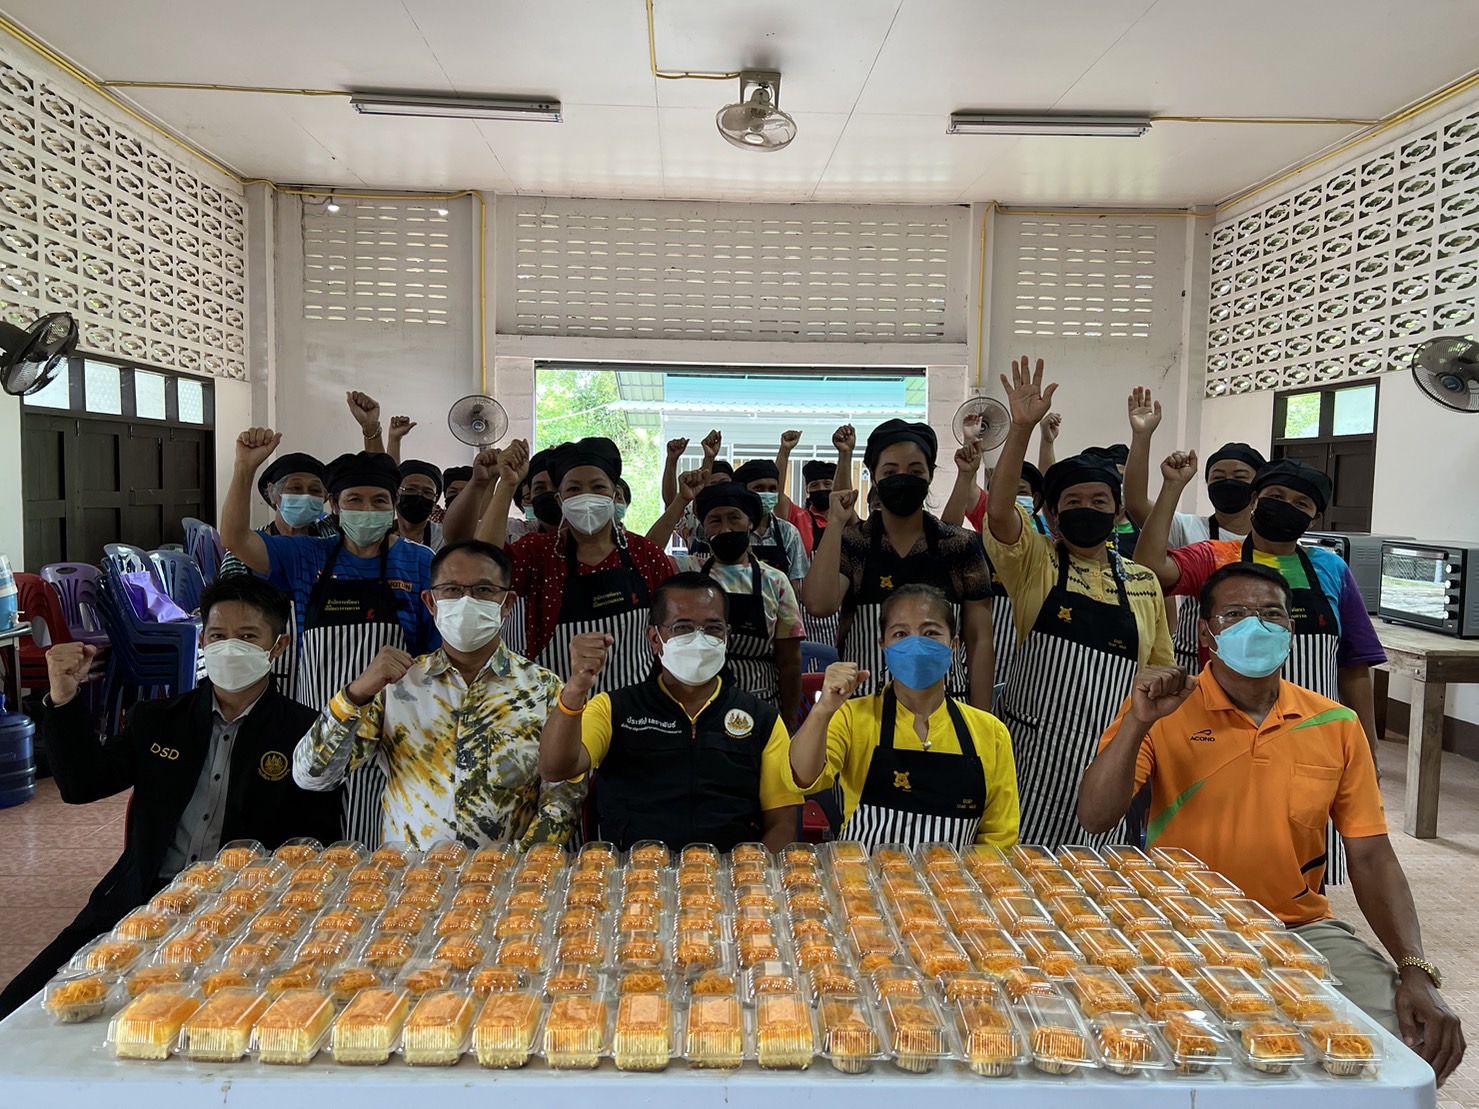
(886, 581)
(901, 780)
(1065, 614)
(739, 723)
(273, 766)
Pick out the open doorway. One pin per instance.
(643, 406)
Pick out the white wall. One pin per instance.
(1243, 418)
(12, 523)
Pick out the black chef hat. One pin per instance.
(456, 473)
(1118, 454)
(597, 451)
(1235, 452)
(372, 468)
(719, 466)
(295, 462)
(1075, 471)
(724, 493)
(890, 432)
(425, 469)
(1296, 475)
(817, 470)
(1033, 477)
(757, 469)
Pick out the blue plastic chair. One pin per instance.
(180, 577)
(816, 657)
(77, 585)
(203, 543)
(159, 658)
(128, 558)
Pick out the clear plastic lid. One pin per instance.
(916, 1032)
(344, 854)
(408, 920)
(575, 1031)
(107, 953)
(582, 918)
(475, 873)
(1127, 1044)
(1270, 1045)
(937, 953)
(1196, 1040)
(1053, 881)
(948, 880)
(148, 1027)
(213, 982)
(1076, 859)
(992, 950)
(743, 854)
(643, 1038)
(954, 987)
(74, 996)
(1153, 883)
(223, 921)
(859, 908)
(502, 856)
(1287, 949)
(1188, 913)
(178, 898)
(487, 980)
(1150, 982)
(474, 896)
(298, 976)
(390, 950)
(518, 922)
(426, 872)
(984, 855)
(848, 1032)
(1345, 1048)
(893, 857)
(915, 911)
(1301, 996)
(448, 852)
(204, 876)
(319, 870)
(1210, 885)
(526, 895)
(326, 947)
(1076, 910)
(817, 951)
(311, 897)
(299, 849)
(573, 978)
(1247, 916)
(1125, 859)
(1028, 857)
(708, 857)
(376, 874)
(523, 951)
(1224, 947)
(437, 1032)
(1107, 947)
(644, 981)
(262, 872)
(394, 854)
(1233, 994)
(1134, 915)
(460, 922)
(588, 948)
(220, 1031)
(286, 923)
(1167, 947)
(832, 978)
(641, 950)
(990, 1040)
(1106, 884)
(1001, 881)
(251, 954)
(237, 853)
(852, 877)
(897, 981)
(1099, 990)
(698, 950)
(368, 1028)
(345, 981)
(1051, 950)
(145, 925)
(749, 873)
(650, 853)
(249, 899)
(1027, 982)
(1056, 1035)
(342, 919)
(146, 978)
(367, 896)
(1177, 860)
(773, 976)
(1023, 914)
(587, 894)
(756, 948)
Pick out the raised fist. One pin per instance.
(399, 426)
(386, 668)
(364, 408)
(67, 666)
(839, 683)
(255, 445)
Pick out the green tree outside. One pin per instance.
(576, 404)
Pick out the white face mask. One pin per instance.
(693, 658)
(234, 664)
(588, 513)
(467, 623)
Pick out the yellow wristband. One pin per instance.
(560, 702)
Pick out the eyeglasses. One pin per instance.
(412, 491)
(714, 629)
(1230, 616)
(451, 591)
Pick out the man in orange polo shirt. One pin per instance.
(1245, 771)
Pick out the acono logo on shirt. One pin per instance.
(1203, 736)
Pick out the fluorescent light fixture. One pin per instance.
(1011, 123)
(456, 107)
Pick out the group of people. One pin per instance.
(514, 664)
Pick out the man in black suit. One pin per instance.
(206, 767)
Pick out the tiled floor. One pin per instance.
(51, 855)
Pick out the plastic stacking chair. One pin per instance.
(180, 577)
(816, 657)
(76, 584)
(203, 543)
(42, 609)
(128, 558)
(146, 656)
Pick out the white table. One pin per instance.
(46, 1066)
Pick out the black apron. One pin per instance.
(1312, 664)
(1069, 678)
(819, 629)
(750, 651)
(918, 797)
(1003, 625)
(613, 601)
(345, 623)
(884, 572)
(772, 551)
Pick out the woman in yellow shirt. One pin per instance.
(914, 765)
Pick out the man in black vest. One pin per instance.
(683, 757)
(206, 767)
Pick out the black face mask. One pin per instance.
(1085, 527)
(818, 499)
(448, 499)
(414, 508)
(903, 494)
(1279, 521)
(729, 546)
(547, 510)
(1230, 496)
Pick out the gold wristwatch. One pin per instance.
(1423, 965)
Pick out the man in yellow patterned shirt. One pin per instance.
(457, 730)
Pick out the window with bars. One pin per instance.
(654, 269)
(1085, 279)
(378, 261)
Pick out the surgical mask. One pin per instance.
(365, 528)
(415, 508)
(693, 658)
(529, 514)
(1279, 520)
(234, 664)
(588, 513)
(1085, 527)
(1253, 648)
(468, 623)
(918, 661)
(729, 546)
(818, 499)
(768, 500)
(620, 513)
(1230, 496)
(546, 507)
(903, 494)
(1028, 504)
(298, 510)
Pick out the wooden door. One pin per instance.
(1351, 466)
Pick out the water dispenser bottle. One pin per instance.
(17, 758)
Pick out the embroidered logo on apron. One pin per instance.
(901, 780)
(1065, 614)
(739, 723)
(886, 581)
(273, 766)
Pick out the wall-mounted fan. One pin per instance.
(983, 418)
(1447, 371)
(756, 122)
(477, 420)
(30, 357)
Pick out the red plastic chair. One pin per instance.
(811, 689)
(41, 607)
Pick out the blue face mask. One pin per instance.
(1253, 648)
(620, 513)
(768, 500)
(366, 528)
(1027, 503)
(298, 510)
(918, 661)
(529, 514)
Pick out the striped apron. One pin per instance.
(1186, 640)
(1003, 625)
(918, 797)
(514, 632)
(613, 601)
(749, 654)
(345, 623)
(1312, 664)
(1069, 678)
(883, 572)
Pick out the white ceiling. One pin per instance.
(870, 83)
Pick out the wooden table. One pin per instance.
(1432, 662)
